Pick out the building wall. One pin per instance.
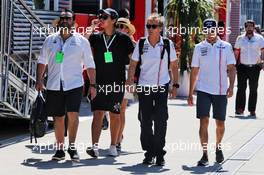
(251, 9)
(234, 20)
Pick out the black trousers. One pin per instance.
(244, 74)
(153, 109)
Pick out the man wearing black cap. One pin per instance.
(212, 59)
(65, 53)
(112, 50)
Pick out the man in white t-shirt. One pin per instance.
(158, 56)
(248, 50)
(212, 63)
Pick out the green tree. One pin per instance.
(189, 13)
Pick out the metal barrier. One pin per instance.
(17, 78)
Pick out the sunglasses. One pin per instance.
(103, 17)
(121, 26)
(67, 18)
(153, 26)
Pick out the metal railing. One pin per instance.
(16, 94)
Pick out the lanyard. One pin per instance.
(161, 50)
(107, 46)
(62, 43)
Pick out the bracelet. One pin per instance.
(176, 85)
(39, 81)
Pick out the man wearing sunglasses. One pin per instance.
(213, 63)
(65, 53)
(155, 64)
(112, 50)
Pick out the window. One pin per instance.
(39, 4)
(46, 5)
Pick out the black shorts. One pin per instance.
(110, 101)
(204, 102)
(60, 102)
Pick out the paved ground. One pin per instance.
(243, 144)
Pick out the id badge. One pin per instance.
(108, 57)
(59, 57)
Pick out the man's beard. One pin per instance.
(65, 26)
(249, 32)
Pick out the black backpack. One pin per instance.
(38, 118)
(166, 47)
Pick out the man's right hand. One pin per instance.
(39, 86)
(190, 100)
(129, 86)
(92, 92)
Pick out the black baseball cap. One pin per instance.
(209, 23)
(109, 11)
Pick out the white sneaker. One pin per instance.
(112, 151)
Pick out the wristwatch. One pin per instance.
(176, 85)
(93, 85)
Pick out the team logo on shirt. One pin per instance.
(73, 43)
(221, 47)
(204, 51)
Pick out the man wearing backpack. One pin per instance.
(156, 56)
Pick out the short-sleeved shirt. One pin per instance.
(152, 69)
(212, 61)
(250, 49)
(77, 53)
(121, 48)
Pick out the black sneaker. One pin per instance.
(239, 112)
(73, 154)
(203, 161)
(92, 152)
(253, 114)
(105, 123)
(219, 157)
(160, 161)
(118, 147)
(59, 155)
(148, 161)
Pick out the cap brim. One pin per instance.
(101, 11)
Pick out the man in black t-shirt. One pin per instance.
(112, 51)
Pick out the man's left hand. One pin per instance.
(229, 92)
(173, 93)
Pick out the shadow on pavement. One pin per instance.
(143, 169)
(50, 164)
(182, 105)
(244, 117)
(203, 170)
(104, 153)
(42, 149)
